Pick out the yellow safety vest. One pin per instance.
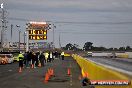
(20, 57)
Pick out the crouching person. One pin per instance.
(86, 81)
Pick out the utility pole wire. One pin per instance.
(76, 22)
(96, 33)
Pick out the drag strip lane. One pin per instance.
(113, 64)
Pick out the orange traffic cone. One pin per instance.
(20, 69)
(46, 78)
(52, 72)
(86, 75)
(39, 65)
(48, 71)
(68, 71)
(32, 66)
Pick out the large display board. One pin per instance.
(37, 30)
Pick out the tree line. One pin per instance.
(88, 46)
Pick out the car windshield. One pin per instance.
(9, 56)
(5, 55)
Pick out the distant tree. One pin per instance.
(75, 47)
(102, 48)
(115, 49)
(95, 48)
(88, 46)
(122, 48)
(110, 49)
(99, 48)
(69, 46)
(128, 48)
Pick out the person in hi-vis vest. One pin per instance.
(62, 55)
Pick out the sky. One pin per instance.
(106, 23)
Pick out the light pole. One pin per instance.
(3, 20)
(54, 36)
(60, 40)
(27, 34)
(11, 38)
(19, 36)
(24, 40)
(3, 25)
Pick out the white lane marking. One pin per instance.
(10, 70)
(111, 67)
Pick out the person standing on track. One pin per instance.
(46, 57)
(51, 57)
(62, 55)
(37, 59)
(42, 59)
(33, 60)
(25, 59)
(21, 58)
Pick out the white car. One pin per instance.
(89, 54)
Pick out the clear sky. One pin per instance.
(104, 22)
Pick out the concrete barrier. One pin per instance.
(101, 54)
(98, 72)
(122, 55)
(67, 55)
(129, 54)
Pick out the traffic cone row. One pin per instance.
(48, 75)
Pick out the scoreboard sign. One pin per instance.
(38, 34)
(37, 30)
(37, 37)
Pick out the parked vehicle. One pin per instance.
(15, 55)
(3, 60)
(89, 54)
(6, 58)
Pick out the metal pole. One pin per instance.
(19, 39)
(24, 40)
(59, 41)
(2, 38)
(27, 34)
(27, 45)
(18, 26)
(53, 37)
(3, 21)
(11, 38)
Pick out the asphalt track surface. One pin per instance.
(123, 64)
(34, 78)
